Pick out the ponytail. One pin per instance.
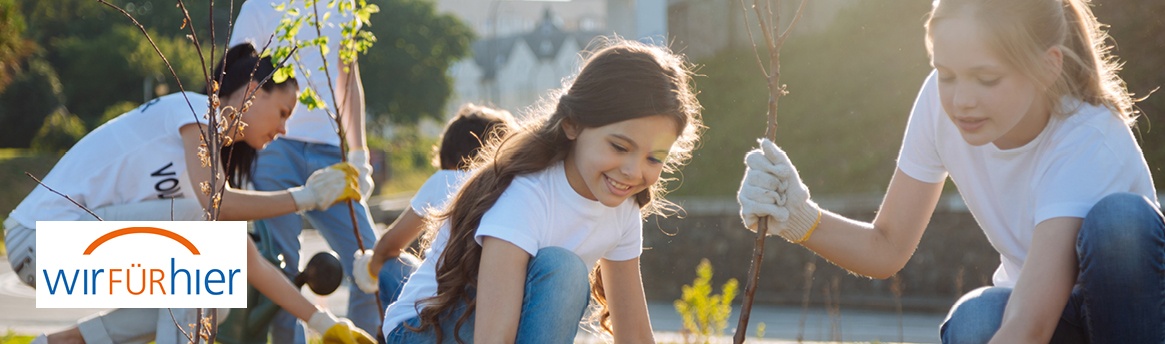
(234, 72)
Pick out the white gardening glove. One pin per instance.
(337, 330)
(359, 158)
(362, 272)
(323, 188)
(772, 188)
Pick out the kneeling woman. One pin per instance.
(145, 165)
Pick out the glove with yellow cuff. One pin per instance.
(338, 330)
(325, 187)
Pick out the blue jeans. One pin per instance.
(287, 163)
(557, 293)
(1119, 296)
(393, 275)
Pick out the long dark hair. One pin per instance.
(622, 81)
(242, 65)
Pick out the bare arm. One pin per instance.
(400, 234)
(351, 97)
(500, 289)
(236, 204)
(266, 278)
(879, 249)
(623, 287)
(1045, 284)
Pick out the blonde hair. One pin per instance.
(1021, 31)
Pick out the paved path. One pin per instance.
(18, 313)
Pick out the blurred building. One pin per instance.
(527, 47)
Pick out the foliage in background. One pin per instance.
(406, 73)
(33, 95)
(851, 88)
(408, 159)
(705, 315)
(117, 109)
(116, 65)
(101, 60)
(14, 47)
(59, 132)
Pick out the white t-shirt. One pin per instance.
(437, 190)
(256, 22)
(537, 210)
(1063, 172)
(135, 157)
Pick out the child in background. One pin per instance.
(562, 195)
(460, 143)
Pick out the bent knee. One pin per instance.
(1120, 225)
(562, 266)
(976, 316)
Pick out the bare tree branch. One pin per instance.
(63, 195)
(774, 39)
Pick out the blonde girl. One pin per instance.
(1025, 113)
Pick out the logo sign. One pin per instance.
(141, 264)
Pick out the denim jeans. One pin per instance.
(393, 275)
(557, 293)
(287, 163)
(1119, 296)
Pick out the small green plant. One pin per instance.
(705, 315)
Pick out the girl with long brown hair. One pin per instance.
(562, 195)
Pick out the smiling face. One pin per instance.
(267, 117)
(988, 100)
(610, 163)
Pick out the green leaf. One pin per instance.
(309, 98)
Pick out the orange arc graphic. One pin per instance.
(148, 230)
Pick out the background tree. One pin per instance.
(29, 99)
(14, 47)
(120, 65)
(60, 131)
(406, 73)
(103, 60)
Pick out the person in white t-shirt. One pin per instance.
(1046, 163)
(144, 164)
(386, 267)
(561, 196)
(311, 143)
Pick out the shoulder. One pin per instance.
(530, 185)
(1092, 127)
(630, 212)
